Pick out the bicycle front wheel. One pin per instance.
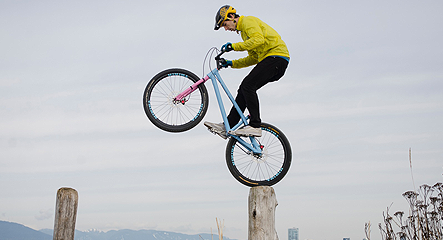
(170, 115)
(266, 169)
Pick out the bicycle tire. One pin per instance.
(168, 115)
(265, 170)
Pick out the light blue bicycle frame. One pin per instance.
(215, 76)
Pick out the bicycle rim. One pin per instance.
(264, 170)
(167, 114)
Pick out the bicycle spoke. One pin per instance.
(260, 169)
(167, 113)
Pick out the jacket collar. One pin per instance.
(239, 24)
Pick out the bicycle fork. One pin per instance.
(180, 97)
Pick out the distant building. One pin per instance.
(293, 234)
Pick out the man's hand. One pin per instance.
(227, 47)
(225, 63)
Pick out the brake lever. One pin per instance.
(218, 60)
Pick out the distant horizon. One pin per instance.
(96, 230)
(49, 231)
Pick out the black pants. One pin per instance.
(269, 70)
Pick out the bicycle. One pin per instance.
(176, 100)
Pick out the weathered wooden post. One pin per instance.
(262, 204)
(65, 214)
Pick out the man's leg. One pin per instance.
(269, 70)
(233, 117)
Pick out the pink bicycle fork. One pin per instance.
(191, 89)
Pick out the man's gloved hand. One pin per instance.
(225, 63)
(227, 47)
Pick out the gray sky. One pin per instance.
(363, 86)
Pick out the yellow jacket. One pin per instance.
(259, 39)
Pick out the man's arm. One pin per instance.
(255, 34)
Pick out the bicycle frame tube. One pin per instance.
(215, 76)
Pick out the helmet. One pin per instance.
(222, 15)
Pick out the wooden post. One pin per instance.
(65, 214)
(262, 204)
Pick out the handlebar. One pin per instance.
(218, 59)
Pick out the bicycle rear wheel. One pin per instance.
(170, 115)
(264, 170)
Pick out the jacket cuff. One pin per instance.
(234, 46)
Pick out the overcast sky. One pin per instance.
(364, 85)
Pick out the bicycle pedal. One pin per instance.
(212, 131)
(242, 135)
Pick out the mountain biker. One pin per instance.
(269, 54)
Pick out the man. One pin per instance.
(266, 50)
